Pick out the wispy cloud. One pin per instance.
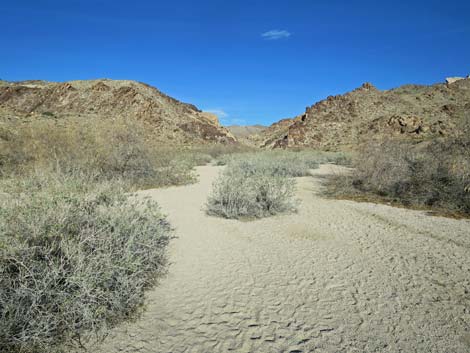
(275, 34)
(217, 111)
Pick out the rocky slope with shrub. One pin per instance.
(169, 120)
(410, 112)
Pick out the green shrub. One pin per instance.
(75, 259)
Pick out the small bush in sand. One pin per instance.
(75, 259)
(431, 174)
(253, 188)
(260, 184)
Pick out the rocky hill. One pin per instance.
(169, 120)
(345, 121)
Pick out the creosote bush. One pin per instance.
(433, 174)
(76, 256)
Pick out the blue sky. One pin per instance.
(250, 61)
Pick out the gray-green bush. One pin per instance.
(260, 184)
(75, 258)
(254, 187)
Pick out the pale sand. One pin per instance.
(338, 276)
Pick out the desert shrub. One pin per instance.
(75, 258)
(434, 174)
(217, 150)
(253, 188)
(340, 158)
(106, 147)
(288, 163)
(260, 184)
(195, 157)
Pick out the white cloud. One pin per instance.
(275, 34)
(217, 111)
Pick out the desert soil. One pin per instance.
(338, 276)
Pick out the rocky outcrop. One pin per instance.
(211, 118)
(273, 135)
(167, 118)
(450, 80)
(366, 113)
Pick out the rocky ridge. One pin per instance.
(345, 121)
(169, 120)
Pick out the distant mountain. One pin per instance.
(345, 121)
(243, 131)
(169, 120)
